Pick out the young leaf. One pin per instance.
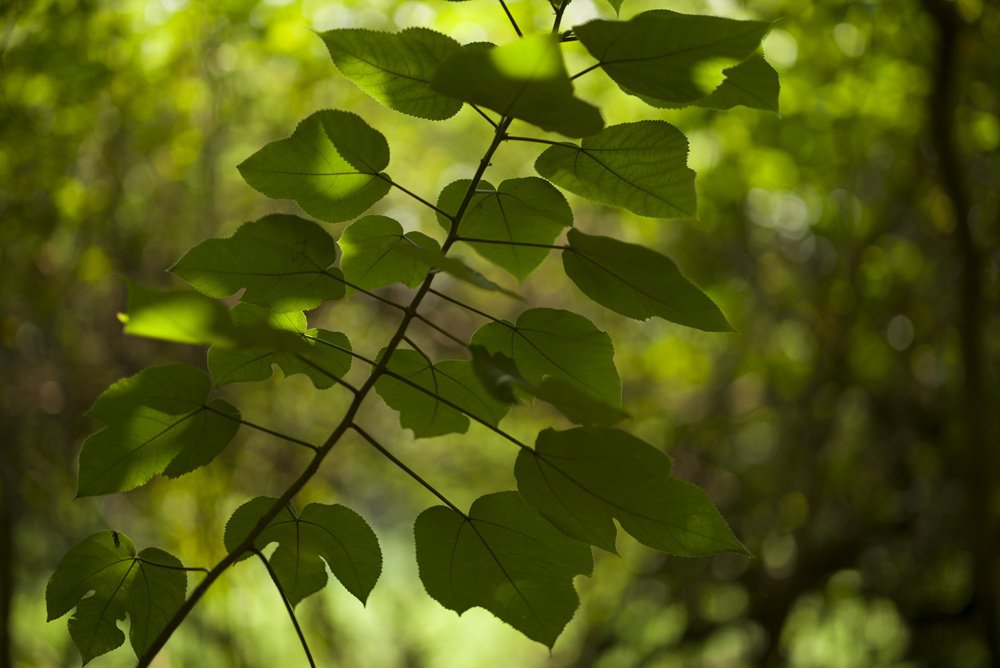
(105, 579)
(282, 261)
(325, 356)
(638, 282)
(396, 69)
(331, 165)
(658, 53)
(527, 210)
(584, 478)
(158, 421)
(561, 344)
(334, 533)
(455, 381)
(752, 83)
(372, 257)
(505, 558)
(639, 166)
(526, 79)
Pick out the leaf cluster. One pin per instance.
(514, 553)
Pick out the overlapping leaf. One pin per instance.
(331, 533)
(283, 262)
(658, 53)
(428, 395)
(374, 253)
(158, 421)
(500, 377)
(526, 79)
(396, 68)
(551, 342)
(583, 479)
(505, 558)
(752, 83)
(105, 579)
(521, 211)
(639, 166)
(638, 282)
(431, 258)
(331, 165)
(323, 356)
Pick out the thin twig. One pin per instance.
(366, 360)
(506, 242)
(415, 196)
(483, 114)
(473, 309)
(288, 606)
(410, 472)
(510, 17)
(271, 432)
(584, 71)
(433, 325)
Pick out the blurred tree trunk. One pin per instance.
(978, 459)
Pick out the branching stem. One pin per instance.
(288, 606)
(410, 472)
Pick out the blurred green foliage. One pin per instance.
(828, 429)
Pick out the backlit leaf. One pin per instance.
(551, 342)
(638, 282)
(525, 79)
(431, 258)
(639, 166)
(323, 357)
(455, 381)
(752, 83)
(505, 558)
(583, 479)
(283, 262)
(105, 579)
(372, 257)
(158, 421)
(520, 211)
(321, 533)
(658, 53)
(395, 68)
(331, 165)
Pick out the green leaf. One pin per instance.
(505, 558)
(396, 69)
(158, 421)
(283, 262)
(526, 79)
(752, 83)
(431, 258)
(331, 533)
(454, 381)
(372, 257)
(584, 478)
(639, 166)
(325, 355)
(331, 165)
(520, 211)
(179, 316)
(561, 344)
(659, 53)
(105, 579)
(638, 282)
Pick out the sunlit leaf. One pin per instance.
(331, 165)
(372, 257)
(639, 166)
(454, 381)
(658, 53)
(179, 316)
(321, 533)
(525, 79)
(324, 356)
(505, 558)
(158, 421)
(395, 68)
(638, 282)
(283, 262)
(520, 211)
(583, 479)
(105, 579)
(561, 344)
